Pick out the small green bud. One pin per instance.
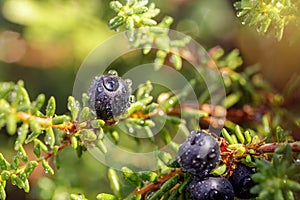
(51, 107)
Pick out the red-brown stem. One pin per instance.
(156, 185)
(270, 147)
(61, 147)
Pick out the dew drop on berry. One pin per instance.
(111, 84)
(128, 82)
(246, 182)
(131, 98)
(215, 194)
(211, 155)
(112, 72)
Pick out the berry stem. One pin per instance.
(51, 153)
(270, 147)
(156, 185)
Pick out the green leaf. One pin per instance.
(5, 175)
(38, 103)
(22, 134)
(4, 106)
(239, 134)
(2, 192)
(26, 187)
(30, 166)
(4, 165)
(101, 145)
(115, 5)
(116, 22)
(148, 22)
(132, 177)
(49, 137)
(97, 123)
(134, 197)
(60, 119)
(148, 176)
(280, 134)
(114, 182)
(232, 99)
(73, 107)
(87, 135)
(74, 142)
(47, 167)
(175, 59)
(227, 136)
(105, 196)
(219, 170)
(11, 124)
(77, 197)
(23, 99)
(165, 187)
(22, 154)
(51, 107)
(15, 180)
(31, 137)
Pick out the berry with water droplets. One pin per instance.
(210, 188)
(109, 96)
(199, 154)
(242, 182)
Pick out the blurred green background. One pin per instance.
(45, 42)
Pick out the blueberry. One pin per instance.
(242, 182)
(109, 96)
(199, 154)
(210, 188)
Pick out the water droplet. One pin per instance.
(128, 82)
(131, 39)
(112, 72)
(99, 89)
(211, 155)
(246, 182)
(111, 83)
(131, 130)
(215, 194)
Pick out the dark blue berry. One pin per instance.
(210, 188)
(109, 96)
(199, 154)
(242, 182)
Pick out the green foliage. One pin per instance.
(256, 132)
(144, 32)
(268, 17)
(277, 179)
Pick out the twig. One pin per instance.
(26, 117)
(155, 185)
(270, 147)
(69, 127)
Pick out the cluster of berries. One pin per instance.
(199, 155)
